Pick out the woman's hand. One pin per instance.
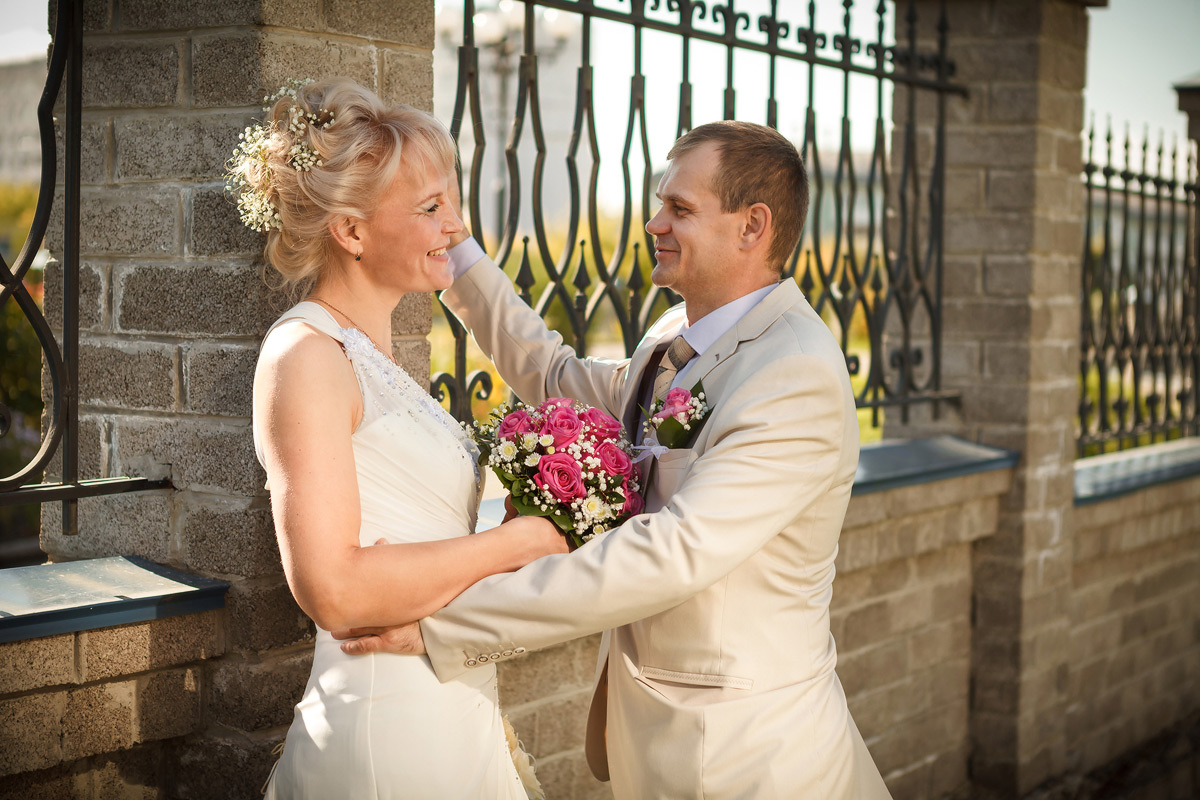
(543, 536)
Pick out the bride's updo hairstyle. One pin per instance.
(325, 151)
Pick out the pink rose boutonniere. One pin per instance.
(563, 460)
(674, 421)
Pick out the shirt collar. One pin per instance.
(713, 325)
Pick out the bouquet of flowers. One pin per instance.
(564, 460)
(672, 422)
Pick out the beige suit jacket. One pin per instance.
(720, 664)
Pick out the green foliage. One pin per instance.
(20, 359)
(17, 203)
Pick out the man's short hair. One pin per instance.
(758, 165)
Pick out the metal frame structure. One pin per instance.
(893, 283)
(61, 363)
(1140, 318)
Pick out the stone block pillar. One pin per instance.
(1013, 237)
(172, 312)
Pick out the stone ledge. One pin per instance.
(893, 464)
(84, 595)
(1113, 475)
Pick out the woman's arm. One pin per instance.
(307, 404)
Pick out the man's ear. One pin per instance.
(756, 226)
(346, 231)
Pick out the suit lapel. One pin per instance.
(749, 327)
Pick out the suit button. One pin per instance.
(518, 650)
(471, 662)
(483, 658)
(507, 653)
(495, 656)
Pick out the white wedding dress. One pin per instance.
(383, 726)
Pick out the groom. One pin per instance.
(716, 676)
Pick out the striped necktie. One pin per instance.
(675, 359)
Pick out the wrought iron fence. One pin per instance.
(870, 259)
(61, 434)
(1139, 354)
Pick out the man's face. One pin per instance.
(693, 237)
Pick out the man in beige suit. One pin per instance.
(716, 677)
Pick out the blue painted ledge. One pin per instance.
(75, 596)
(893, 464)
(1109, 476)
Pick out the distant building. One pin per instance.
(21, 85)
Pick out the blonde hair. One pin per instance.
(358, 156)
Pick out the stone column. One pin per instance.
(1013, 237)
(172, 312)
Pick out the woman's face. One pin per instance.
(405, 240)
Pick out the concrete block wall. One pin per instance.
(1135, 604)
(901, 618)
(80, 712)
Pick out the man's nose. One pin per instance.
(656, 227)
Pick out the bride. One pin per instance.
(353, 195)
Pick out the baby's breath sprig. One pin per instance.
(251, 158)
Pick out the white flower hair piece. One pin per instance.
(250, 157)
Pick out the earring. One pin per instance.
(358, 256)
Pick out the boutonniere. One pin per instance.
(673, 422)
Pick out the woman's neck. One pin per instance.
(357, 305)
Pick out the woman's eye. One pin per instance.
(433, 208)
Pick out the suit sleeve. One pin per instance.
(774, 447)
(532, 359)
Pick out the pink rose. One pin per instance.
(601, 425)
(613, 459)
(514, 424)
(564, 425)
(678, 401)
(634, 504)
(560, 473)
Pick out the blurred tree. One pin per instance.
(20, 360)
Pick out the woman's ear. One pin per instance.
(346, 232)
(756, 226)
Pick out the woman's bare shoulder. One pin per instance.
(299, 360)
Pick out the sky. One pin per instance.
(1138, 49)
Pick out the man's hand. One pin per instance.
(404, 640)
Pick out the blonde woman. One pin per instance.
(354, 197)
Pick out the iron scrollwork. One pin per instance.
(881, 274)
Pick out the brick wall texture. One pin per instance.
(1134, 646)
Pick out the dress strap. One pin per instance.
(313, 314)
